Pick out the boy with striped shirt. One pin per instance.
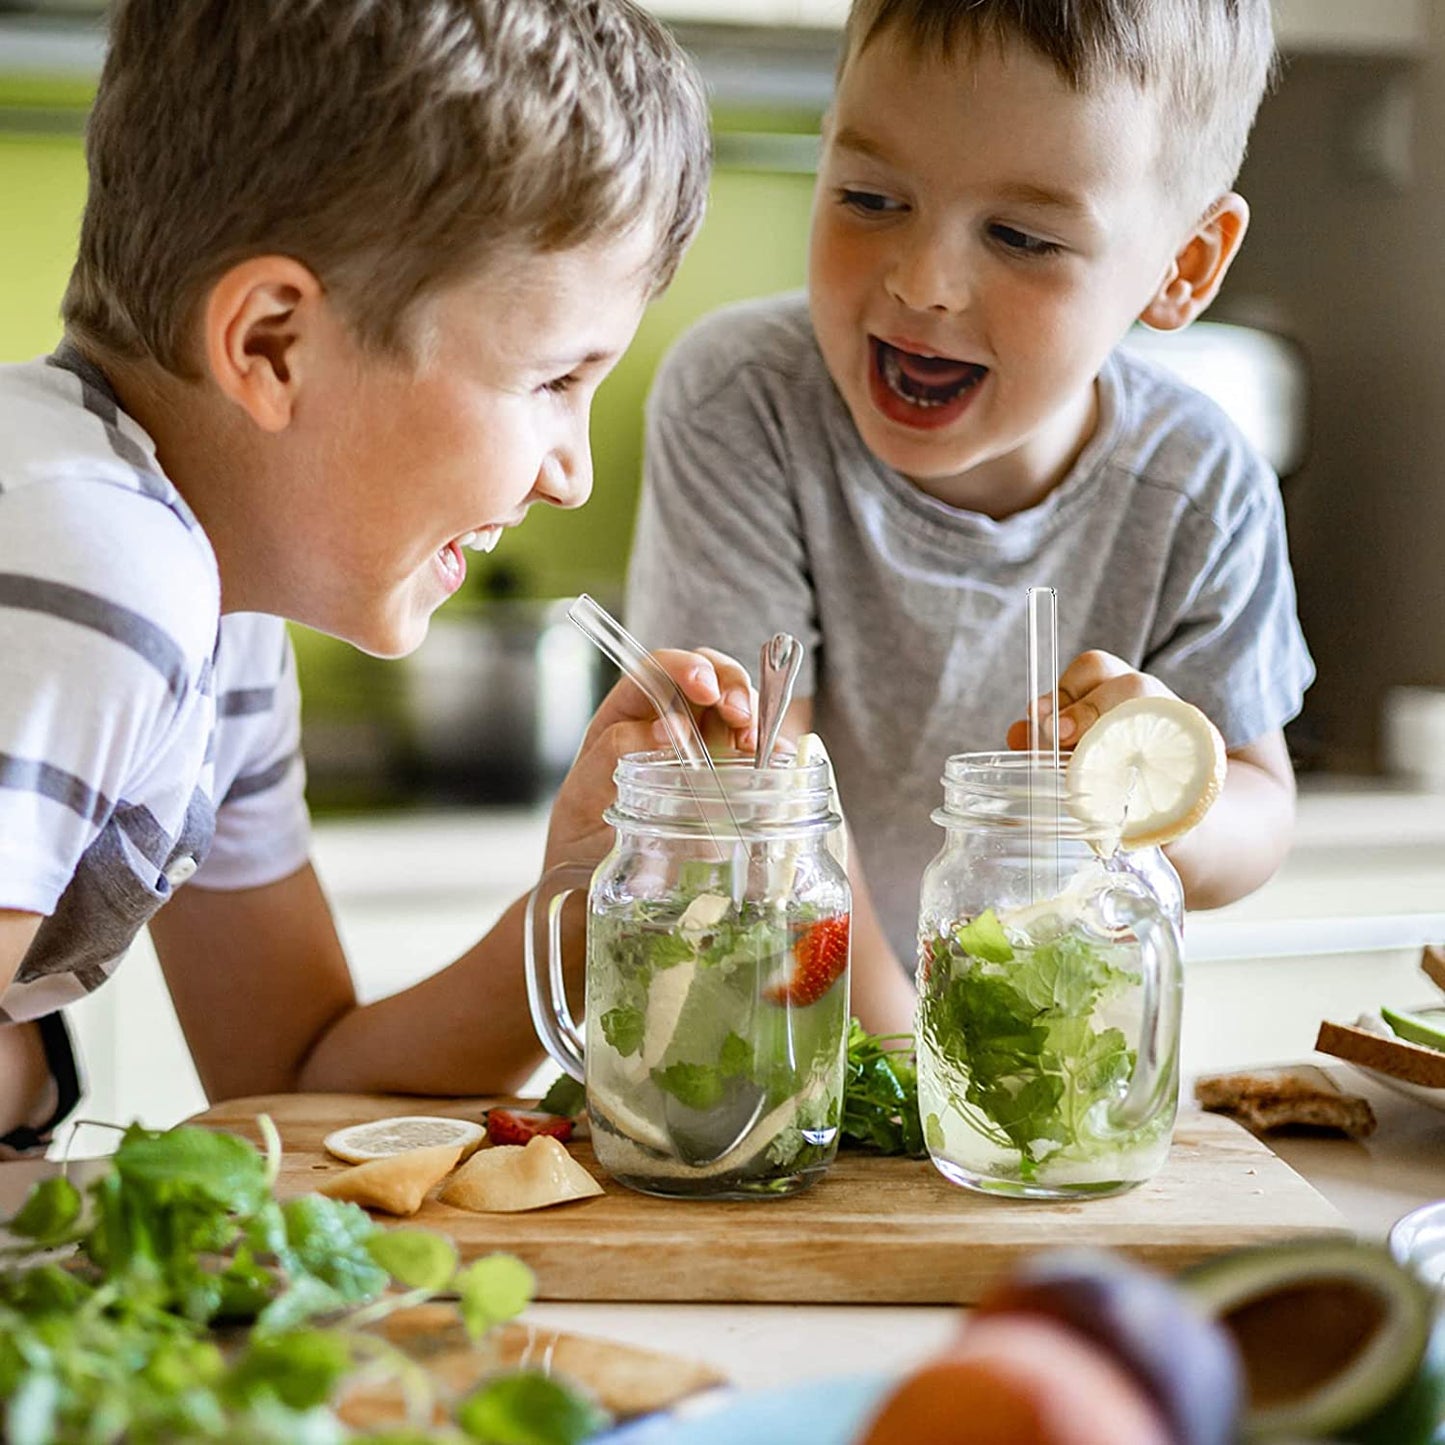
(349, 276)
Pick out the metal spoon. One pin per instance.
(703, 1136)
(778, 665)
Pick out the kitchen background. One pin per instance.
(1344, 266)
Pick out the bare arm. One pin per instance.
(1245, 836)
(882, 995)
(262, 991)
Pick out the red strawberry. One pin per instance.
(819, 957)
(516, 1126)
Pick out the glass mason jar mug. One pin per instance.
(1049, 991)
(716, 979)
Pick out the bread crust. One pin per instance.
(1396, 1057)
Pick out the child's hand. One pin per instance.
(1089, 686)
(723, 701)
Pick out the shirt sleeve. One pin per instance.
(263, 829)
(719, 558)
(98, 670)
(1234, 646)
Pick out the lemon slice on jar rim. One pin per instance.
(381, 1138)
(1147, 771)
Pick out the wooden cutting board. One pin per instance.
(873, 1231)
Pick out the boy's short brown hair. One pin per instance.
(394, 147)
(1209, 62)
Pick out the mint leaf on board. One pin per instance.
(566, 1097)
(880, 1094)
(527, 1408)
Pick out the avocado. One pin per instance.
(1337, 1341)
(1427, 1029)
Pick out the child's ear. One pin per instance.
(259, 318)
(1198, 269)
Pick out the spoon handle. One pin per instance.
(782, 656)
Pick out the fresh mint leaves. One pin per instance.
(880, 1094)
(1013, 1027)
(182, 1236)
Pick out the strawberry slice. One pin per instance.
(516, 1126)
(819, 957)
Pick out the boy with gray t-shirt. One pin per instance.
(885, 466)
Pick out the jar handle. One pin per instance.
(546, 991)
(1154, 1085)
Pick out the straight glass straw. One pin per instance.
(1043, 681)
(657, 685)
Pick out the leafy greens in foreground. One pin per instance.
(182, 1237)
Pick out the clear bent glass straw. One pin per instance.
(1043, 679)
(657, 685)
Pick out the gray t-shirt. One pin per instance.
(763, 511)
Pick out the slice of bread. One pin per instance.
(396, 1184)
(1300, 1096)
(1396, 1057)
(1432, 964)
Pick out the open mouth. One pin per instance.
(920, 389)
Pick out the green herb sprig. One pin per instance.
(880, 1094)
(181, 1244)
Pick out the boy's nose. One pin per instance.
(929, 276)
(565, 477)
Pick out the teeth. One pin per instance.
(892, 369)
(893, 375)
(483, 541)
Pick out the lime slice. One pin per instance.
(381, 1138)
(1148, 770)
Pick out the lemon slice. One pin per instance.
(382, 1138)
(1148, 770)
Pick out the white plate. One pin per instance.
(1433, 1098)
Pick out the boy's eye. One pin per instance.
(870, 203)
(562, 384)
(1022, 242)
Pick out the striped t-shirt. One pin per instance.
(144, 738)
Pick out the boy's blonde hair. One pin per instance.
(394, 147)
(1208, 62)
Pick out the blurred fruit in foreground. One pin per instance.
(1019, 1380)
(1337, 1340)
(1186, 1364)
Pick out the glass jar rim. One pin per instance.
(657, 792)
(1011, 789)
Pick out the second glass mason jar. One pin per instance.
(716, 979)
(1049, 991)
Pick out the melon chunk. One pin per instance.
(512, 1177)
